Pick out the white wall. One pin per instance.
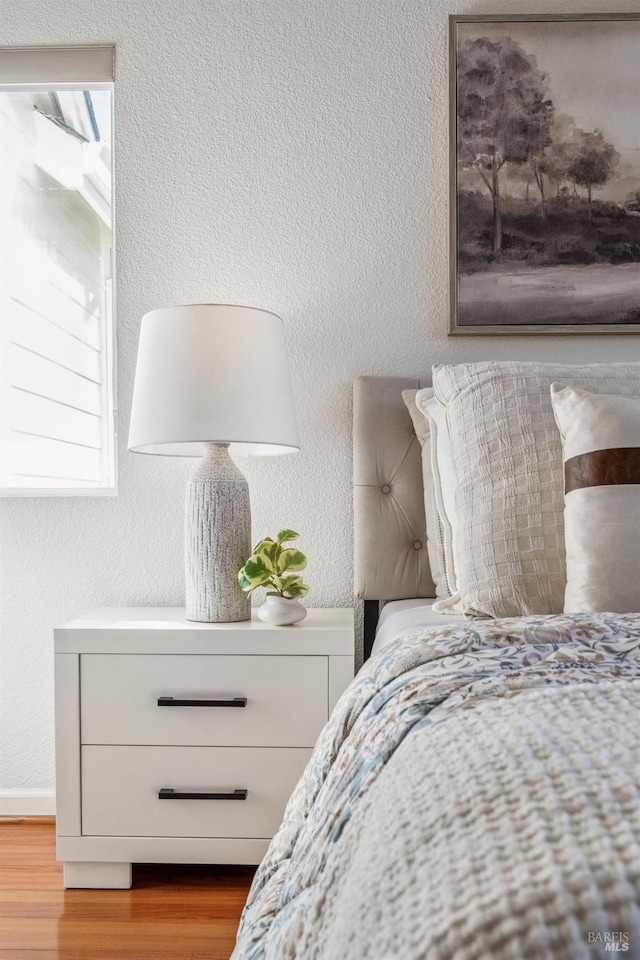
(289, 154)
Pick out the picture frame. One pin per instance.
(544, 174)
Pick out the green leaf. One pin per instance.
(294, 593)
(285, 535)
(256, 572)
(245, 584)
(292, 560)
(267, 552)
(291, 578)
(293, 586)
(265, 540)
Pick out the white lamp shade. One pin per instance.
(212, 373)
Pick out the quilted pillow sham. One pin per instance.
(507, 455)
(601, 440)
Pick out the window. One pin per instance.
(56, 334)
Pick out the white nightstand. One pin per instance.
(181, 742)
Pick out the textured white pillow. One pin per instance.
(507, 457)
(601, 439)
(443, 477)
(435, 532)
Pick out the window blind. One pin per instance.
(56, 65)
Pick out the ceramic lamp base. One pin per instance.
(217, 538)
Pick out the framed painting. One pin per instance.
(545, 174)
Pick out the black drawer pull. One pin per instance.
(177, 702)
(166, 793)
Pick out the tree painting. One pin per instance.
(547, 165)
(593, 162)
(504, 113)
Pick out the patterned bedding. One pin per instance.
(475, 794)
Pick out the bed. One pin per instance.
(476, 792)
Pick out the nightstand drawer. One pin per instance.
(251, 701)
(121, 787)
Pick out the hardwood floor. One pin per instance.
(171, 913)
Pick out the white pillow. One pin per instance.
(435, 549)
(601, 440)
(443, 477)
(437, 478)
(508, 542)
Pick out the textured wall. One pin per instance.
(288, 154)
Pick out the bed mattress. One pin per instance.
(402, 618)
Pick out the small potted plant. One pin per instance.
(276, 566)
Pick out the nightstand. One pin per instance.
(180, 742)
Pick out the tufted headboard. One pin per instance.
(390, 551)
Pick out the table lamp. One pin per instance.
(213, 380)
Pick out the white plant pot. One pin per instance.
(281, 611)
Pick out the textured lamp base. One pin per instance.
(217, 538)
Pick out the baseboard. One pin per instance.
(27, 803)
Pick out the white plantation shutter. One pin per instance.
(56, 342)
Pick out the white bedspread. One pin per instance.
(475, 795)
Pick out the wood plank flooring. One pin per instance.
(171, 913)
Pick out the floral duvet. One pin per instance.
(475, 794)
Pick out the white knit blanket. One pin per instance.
(475, 795)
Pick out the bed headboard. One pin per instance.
(390, 550)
